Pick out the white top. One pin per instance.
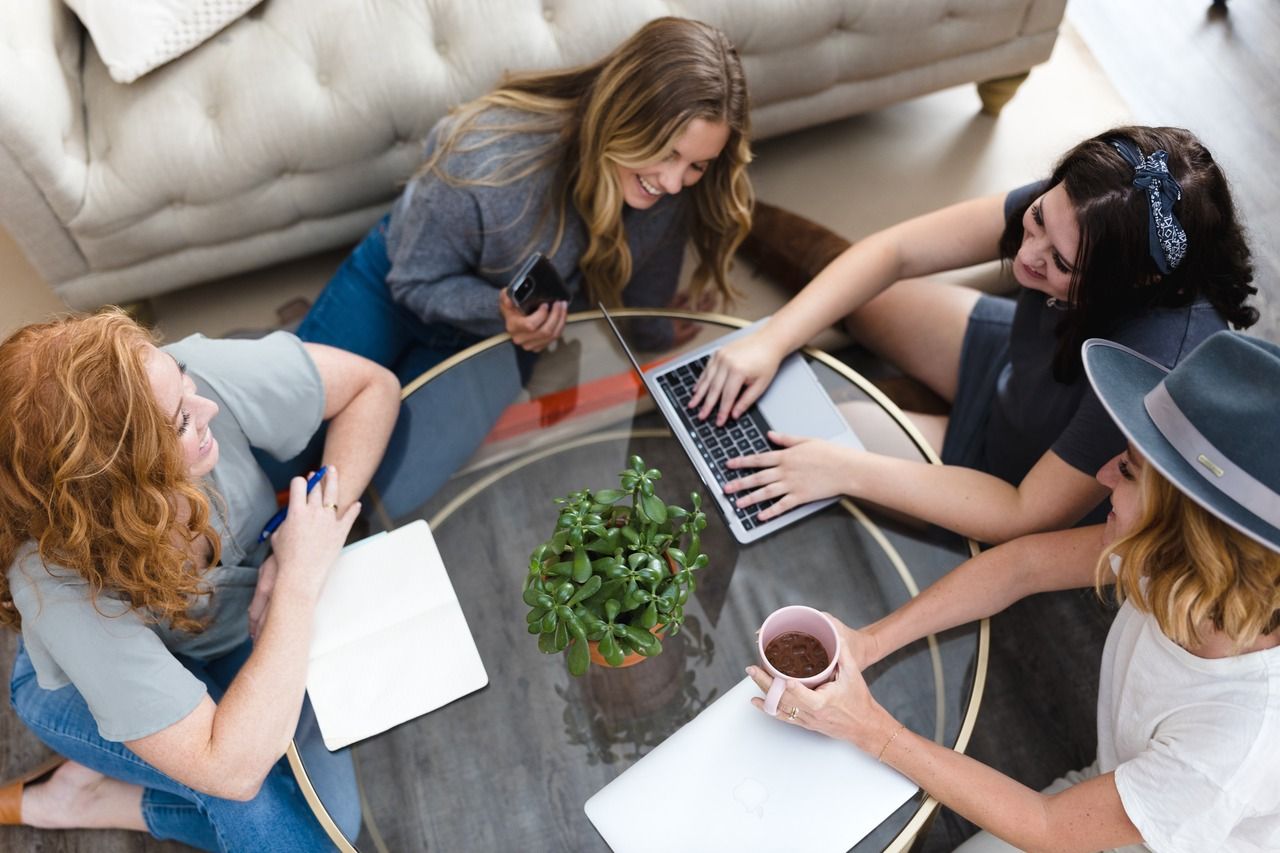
(1194, 743)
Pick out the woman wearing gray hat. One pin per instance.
(1189, 698)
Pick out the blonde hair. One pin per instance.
(625, 109)
(91, 468)
(1189, 569)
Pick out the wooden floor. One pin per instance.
(1174, 61)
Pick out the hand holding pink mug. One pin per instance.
(792, 631)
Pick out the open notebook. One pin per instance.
(390, 640)
(750, 784)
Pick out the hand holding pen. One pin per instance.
(279, 517)
(305, 545)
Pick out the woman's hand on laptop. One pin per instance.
(735, 377)
(805, 469)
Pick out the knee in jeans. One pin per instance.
(280, 799)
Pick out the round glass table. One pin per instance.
(494, 437)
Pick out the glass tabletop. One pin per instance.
(510, 766)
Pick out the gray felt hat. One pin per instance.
(1211, 425)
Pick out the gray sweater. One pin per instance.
(452, 248)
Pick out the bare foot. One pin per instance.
(77, 797)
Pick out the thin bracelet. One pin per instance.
(891, 739)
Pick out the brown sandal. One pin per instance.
(11, 791)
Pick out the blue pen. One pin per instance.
(278, 518)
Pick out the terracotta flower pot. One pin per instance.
(631, 659)
(634, 657)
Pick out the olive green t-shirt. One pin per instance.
(269, 396)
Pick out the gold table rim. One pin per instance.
(906, 836)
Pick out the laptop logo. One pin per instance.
(752, 795)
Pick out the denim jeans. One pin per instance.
(355, 312)
(278, 818)
(442, 424)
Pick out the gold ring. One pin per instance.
(795, 711)
(333, 507)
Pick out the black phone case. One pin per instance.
(544, 284)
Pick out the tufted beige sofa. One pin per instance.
(290, 131)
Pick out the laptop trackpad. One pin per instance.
(797, 405)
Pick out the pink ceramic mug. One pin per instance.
(805, 620)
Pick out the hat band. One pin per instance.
(1200, 453)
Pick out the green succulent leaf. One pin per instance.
(653, 506)
(629, 534)
(650, 616)
(535, 616)
(531, 596)
(645, 643)
(611, 608)
(562, 636)
(581, 565)
(610, 650)
(576, 628)
(558, 541)
(609, 496)
(609, 567)
(579, 658)
(535, 628)
(588, 589)
(549, 622)
(547, 643)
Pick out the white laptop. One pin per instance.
(795, 403)
(737, 781)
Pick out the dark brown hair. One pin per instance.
(1114, 277)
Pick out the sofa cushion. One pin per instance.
(135, 36)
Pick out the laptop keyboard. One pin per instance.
(717, 445)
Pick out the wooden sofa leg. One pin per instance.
(996, 93)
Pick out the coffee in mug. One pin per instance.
(797, 654)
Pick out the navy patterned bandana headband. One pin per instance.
(1168, 242)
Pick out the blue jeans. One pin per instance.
(443, 423)
(278, 818)
(355, 312)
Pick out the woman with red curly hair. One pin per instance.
(129, 542)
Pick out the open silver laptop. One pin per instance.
(795, 403)
(739, 782)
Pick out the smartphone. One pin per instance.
(536, 283)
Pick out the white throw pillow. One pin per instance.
(135, 36)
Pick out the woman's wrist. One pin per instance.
(876, 731)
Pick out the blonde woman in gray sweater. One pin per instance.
(608, 169)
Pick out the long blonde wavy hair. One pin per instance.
(625, 109)
(1198, 570)
(91, 469)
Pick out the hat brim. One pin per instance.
(1122, 378)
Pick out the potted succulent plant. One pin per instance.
(615, 574)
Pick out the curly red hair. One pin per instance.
(91, 469)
